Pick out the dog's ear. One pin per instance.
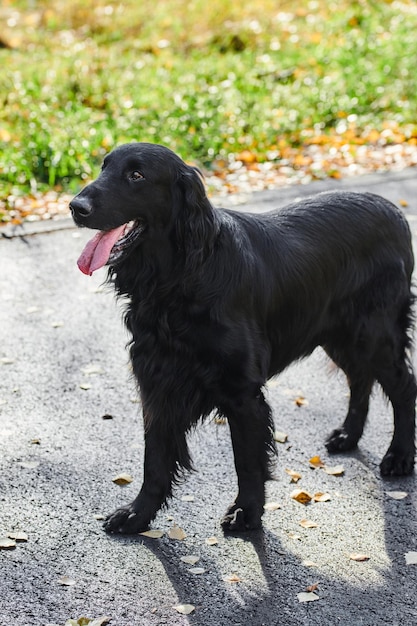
(195, 221)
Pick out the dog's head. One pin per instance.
(142, 188)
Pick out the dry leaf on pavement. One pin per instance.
(176, 533)
(307, 596)
(66, 581)
(306, 523)
(301, 401)
(122, 479)
(7, 544)
(191, 559)
(301, 496)
(321, 497)
(197, 570)
(153, 534)
(212, 541)
(397, 495)
(359, 557)
(18, 536)
(295, 476)
(86, 621)
(280, 437)
(184, 609)
(316, 462)
(232, 578)
(337, 470)
(411, 558)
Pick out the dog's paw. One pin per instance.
(125, 521)
(397, 463)
(237, 520)
(341, 441)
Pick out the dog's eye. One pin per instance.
(135, 175)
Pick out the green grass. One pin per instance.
(206, 79)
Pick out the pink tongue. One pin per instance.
(97, 251)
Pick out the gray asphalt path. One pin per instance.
(63, 367)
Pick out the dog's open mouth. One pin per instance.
(108, 246)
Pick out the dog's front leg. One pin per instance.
(251, 429)
(166, 455)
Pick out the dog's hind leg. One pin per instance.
(360, 382)
(381, 353)
(251, 428)
(398, 382)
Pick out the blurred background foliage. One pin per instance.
(212, 80)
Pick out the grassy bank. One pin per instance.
(206, 79)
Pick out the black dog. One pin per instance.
(220, 301)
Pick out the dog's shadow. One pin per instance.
(255, 578)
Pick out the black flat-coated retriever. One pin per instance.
(219, 301)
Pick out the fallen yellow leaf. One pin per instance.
(359, 557)
(316, 462)
(153, 534)
(122, 479)
(232, 578)
(301, 496)
(86, 621)
(306, 523)
(321, 497)
(301, 401)
(280, 437)
(176, 533)
(295, 476)
(212, 541)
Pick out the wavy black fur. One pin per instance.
(219, 301)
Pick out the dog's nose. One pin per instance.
(80, 206)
